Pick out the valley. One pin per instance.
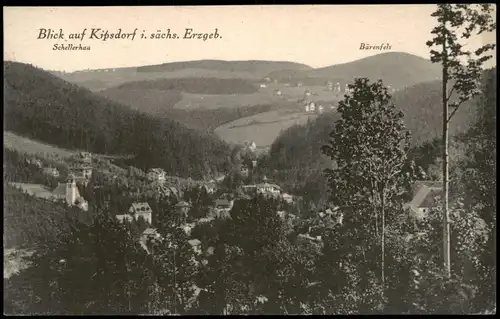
(186, 91)
(275, 160)
(199, 157)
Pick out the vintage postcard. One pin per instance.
(250, 160)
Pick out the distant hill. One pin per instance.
(194, 85)
(101, 79)
(147, 100)
(41, 106)
(155, 96)
(395, 68)
(258, 67)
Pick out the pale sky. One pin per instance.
(316, 35)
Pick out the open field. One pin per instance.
(29, 146)
(262, 128)
(263, 96)
(211, 101)
(26, 145)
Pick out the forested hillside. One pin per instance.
(421, 105)
(261, 68)
(295, 156)
(193, 85)
(41, 106)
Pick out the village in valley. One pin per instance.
(254, 187)
(157, 184)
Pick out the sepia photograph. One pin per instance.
(250, 160)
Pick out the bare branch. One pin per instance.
(451, 92)
(454, 111)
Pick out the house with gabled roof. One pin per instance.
(222, 208)
(143, 210)
(51, 171)
(209, 187)
(156, 175)
(266, 188)
(64, 192)
(425, 196)
(182, 208)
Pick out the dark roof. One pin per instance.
(425, 196)
(430, 200)
(268, 185)
(149, 231)
(432, 184)
(60, 190)
(222, 202)
(182, 204)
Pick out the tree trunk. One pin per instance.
(446, 217)
(382, 241)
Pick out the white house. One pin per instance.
(320, 109)
(143, 210)
(252, 147)
(347, 89)
(277, 92)
(156, 175)
(287, 198)
(262, 85)
(51, 171)
(268, 189)
(69, 193)
(244, 170)
(312, 106)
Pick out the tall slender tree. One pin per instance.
(370, 147)
(461, 74)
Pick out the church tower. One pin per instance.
(71, 191)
